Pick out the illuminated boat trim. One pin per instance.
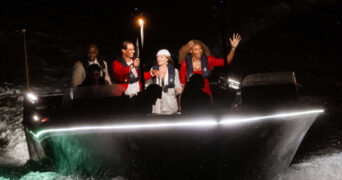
(158, 125)
(129, 127)
(228, 121)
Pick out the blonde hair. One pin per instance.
(170, 60)
(185, 50)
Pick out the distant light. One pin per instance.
(35, 117)
(32, 97)
(230, 121)
(233, 83)
(44, 120)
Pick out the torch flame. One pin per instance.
(141, 22)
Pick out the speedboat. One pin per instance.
(94, 132)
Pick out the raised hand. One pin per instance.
(155, 72)
(235, 40)
(136, 62)
(178, 90)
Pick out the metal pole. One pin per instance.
(26, 61)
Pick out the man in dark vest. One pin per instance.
(80, 67)
(126, 70)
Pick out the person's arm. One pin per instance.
(121, 73)
(234, 42)
(152, 73)
(107, 78)
(182, 74)
(148, 75)
(178, 86)
(78, 74)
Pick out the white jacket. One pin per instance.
(168, 102)
(79, 74)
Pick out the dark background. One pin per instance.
(298, 36)
(278, 35)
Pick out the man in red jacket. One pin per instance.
(126, 70)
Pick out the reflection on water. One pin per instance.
(72, 156)
(41, 176)
(316, 168)
(54, 176)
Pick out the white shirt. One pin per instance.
(96, 62)
(168, 103)
(133, 88)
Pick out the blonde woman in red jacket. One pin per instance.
(196, 59)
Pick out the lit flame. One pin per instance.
(141, 22)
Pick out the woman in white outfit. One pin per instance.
(168, 79)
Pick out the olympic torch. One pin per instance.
(141, 23)
(140, 45)
(140, 39)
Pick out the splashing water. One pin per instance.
(316, 168)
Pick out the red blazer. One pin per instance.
(121, 74)
(212, 62)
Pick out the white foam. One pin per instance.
(317, 168)
(11, 130)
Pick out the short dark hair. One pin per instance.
(124, 44)
(93, 45)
